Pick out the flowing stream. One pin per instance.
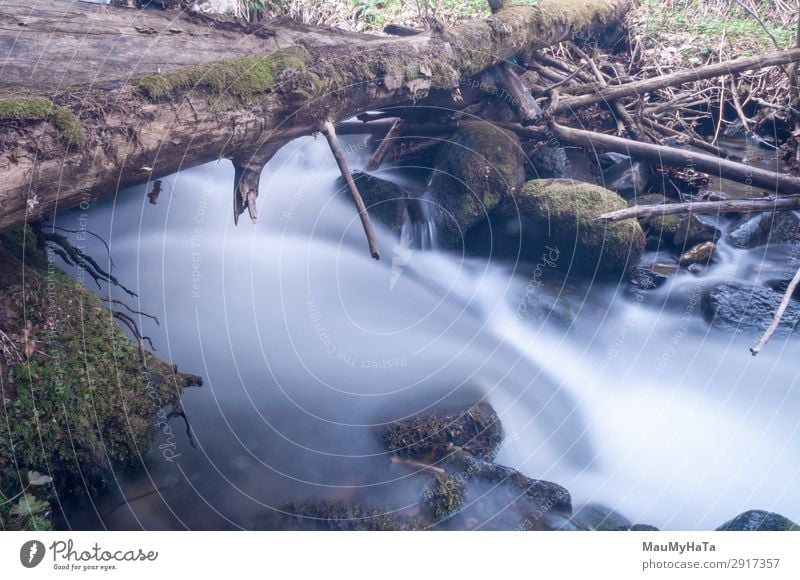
(307, 346)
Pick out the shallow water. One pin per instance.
(307, 346)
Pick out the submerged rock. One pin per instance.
(759, 521)
(476, 430)
(478, 167)
(386, 201)
(557, 215)
(333, 515)
(765, 228)
(741, 307)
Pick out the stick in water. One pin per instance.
(787, 296)
(330, 134)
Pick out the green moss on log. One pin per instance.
(241, 78)
(26, 109)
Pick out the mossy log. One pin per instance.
(224, 89)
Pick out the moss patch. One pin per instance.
(444, 495)
(77, 402)
(477, 430)
(25, 109)
(240, 78)
(333, 515)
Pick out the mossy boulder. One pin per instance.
(479, 167)
(78, 402)
(476, 430)
(556, 216)
(385, 200)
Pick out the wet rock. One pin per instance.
(333, 515)
(691, 230)
(611, 158)
(765, 228)
(557, 215)
(599, 517)
(444, 495)
(546, 163)
(554, 522)
(648, 199)
(581, 167)
(759, 521)
(386, 201)
(741, 307)
(646, 278)
(699, 254)
(539, 303)
(479, 167)
(660, 231)
(627, 179)
(709, 195)
(476, 430)
(781, 286)
(546, 496)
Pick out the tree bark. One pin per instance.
(703, 207)
(95, 56)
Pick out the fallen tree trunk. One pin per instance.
(703, 207)
(131, 118)
(774, 183)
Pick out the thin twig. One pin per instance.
(787, 296)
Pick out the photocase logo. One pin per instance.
(402, 256)
(31, 553)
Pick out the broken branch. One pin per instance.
(341, 160)
(787, 296)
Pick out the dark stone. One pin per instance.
(741, 307)
(647, 199)
(557, 215)
(691, 230)
(765, 228)
(646, 278)
(611, 158)
(386, 201)
(599, 517)
(627, 179)
(781, 286)
(580, 167)
(759, 521)
(546, 163)
(476, 430)
(478, 167)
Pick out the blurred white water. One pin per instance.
(308, 346)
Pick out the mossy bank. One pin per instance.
(77, 402)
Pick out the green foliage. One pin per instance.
(39, 109)
(705, 26)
